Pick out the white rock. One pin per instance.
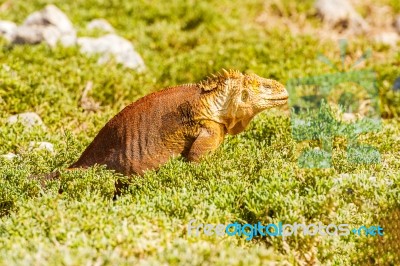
(100, 24)
(41, 145)
(334, 10)
(9, 156)
(51, 35)
(108, 43)
(7, 29)
(49, 25)
(68, 39)
(112, 45)
(28, 119)
(50, 15)
(36, 34)
(389, 38)
(397, 23)
(29, 35)
(341, 11)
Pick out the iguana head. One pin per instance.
(233, 98)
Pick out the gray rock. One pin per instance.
(112, 45)
(28, 119)
(100, 24)
(30, 35)
(341, 12)
(36, 34)
(7, 29)
(397, 23)
(389, 38)
(9, 156)
(49, 25)
(68, 40)
(41, 145)
(50, 15)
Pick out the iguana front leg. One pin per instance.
(239, 127)
(210, 137)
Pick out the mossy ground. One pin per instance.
(252, 177)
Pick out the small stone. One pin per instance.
(389, 38)
(7, 29)
(50, 15)
(49, 25)
(51, 35)
(28, 35)
(100, 24)
(36, 34)
(9, 156)
(112, 45)
(68, 39)
(28, 119)
(341, 12)
(41, 145)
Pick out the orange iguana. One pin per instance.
(188, 120)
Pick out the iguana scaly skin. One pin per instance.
(188, 120)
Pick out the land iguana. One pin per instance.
(188, 120)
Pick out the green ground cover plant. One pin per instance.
(252, 177)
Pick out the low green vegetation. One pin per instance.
(252, 177)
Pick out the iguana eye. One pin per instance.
(267, 89)
(245, 96)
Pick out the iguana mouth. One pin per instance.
(281, 97)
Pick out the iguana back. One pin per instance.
(146, 133)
